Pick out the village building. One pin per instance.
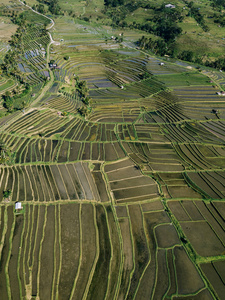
(18, 206)
(221, 93)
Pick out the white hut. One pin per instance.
(18, 206)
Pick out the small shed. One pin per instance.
(18, 206)
(170, 6)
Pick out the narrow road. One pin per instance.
(50, 82)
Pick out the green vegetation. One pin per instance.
(7, 194)
(112, 138)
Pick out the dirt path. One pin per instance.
(50, 82)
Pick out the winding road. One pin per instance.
(50, 82)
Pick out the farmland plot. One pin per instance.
(124, 202)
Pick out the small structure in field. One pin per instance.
(221, 93)
(161, 64)
(53, 65)
(18, 206)
(170, 6)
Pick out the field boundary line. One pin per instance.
(8, 258)
(80, 255)
(96, 256)
(71, 180)
(60, 254)
(5, 227)
(19, 258)
(40, 251)
(133, 253)
(55, 242)
(168, 270)
(111, 246)
(149, 259)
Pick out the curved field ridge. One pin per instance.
(121, 179)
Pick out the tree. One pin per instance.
(7, 193)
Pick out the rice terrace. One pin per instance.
(112, 149)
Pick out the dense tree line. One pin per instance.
(53, 6)
(195, 13)
(218, 4)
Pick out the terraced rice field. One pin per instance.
(125, 203)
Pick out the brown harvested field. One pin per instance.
(52, 182)
(124, 173)
(142, 255)
(204, 247)
(76, 182)
(5, 253)
(99, 282)
(131, 183)
(178, 211)
(89, 250)
(2, 220)
(45, 187)
(152, 206)
(220, 268)
(121, 211)
(38, 227)
(110, 152)
(214, 279)
(84, 180)
(183, 192)
(47, 256)
(189, 282)
(200, 183)
(149, 277)
(119, 194)
(162, 281)
(14, 257)
(59, 182)
(123, 194)
(118, 165)
(26, 238)
(32, 181)
(220, 207)
(116, 259)
(166, 236)
(128, 257)
(38, 184)
(74, 151)
(91, 181)
(212, 220)
(67, 182)
(192, 210)
(70, 247)
(170, 260)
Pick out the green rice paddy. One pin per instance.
(126, 202)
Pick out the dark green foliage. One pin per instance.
(195, 13)
(218, 64)
(113, 3)
(220, 19)
(7, 193)
(186, 55)
(53, 6)
(11, 103)
(159, 46)
(39, 7)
